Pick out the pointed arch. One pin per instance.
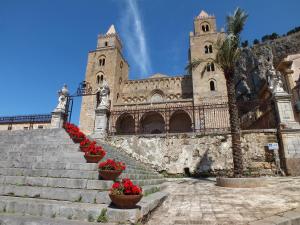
(180, 122)
(125, 124)
(152, 123)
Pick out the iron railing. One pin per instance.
(39, 118)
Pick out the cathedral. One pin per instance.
(192, 102)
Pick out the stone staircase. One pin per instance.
(44, 179)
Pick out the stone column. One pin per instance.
(57, 119)
(289, 133)
(101, 112)
(101, 121)
(284, 110)
(59, 113)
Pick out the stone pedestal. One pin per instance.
(285, 111)
(289, 132)
(290, 143)
(101, 121)
(57, 119)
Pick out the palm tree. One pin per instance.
(228, 51)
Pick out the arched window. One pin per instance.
(210, 49)
(205, 49)
(101, 78)
(98, 79)
(106, 44)
(207, 28)
(208, 67)
(102, 61)
(212, 65)
(212, 85)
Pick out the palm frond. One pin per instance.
(236, 22)
(196, 62)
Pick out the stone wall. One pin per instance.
(25, 126)
(199, 153)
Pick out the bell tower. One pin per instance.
(107, 63)
(208, 80)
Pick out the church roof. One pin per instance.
(111, 30)
(158, 75)
(203, 15)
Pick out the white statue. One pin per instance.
(104, 94)
(275, 81)
(62, 99)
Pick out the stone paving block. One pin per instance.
(123, 216)
(293, 216)
(278, 220)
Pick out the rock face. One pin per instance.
(255, 63)
(198, 153)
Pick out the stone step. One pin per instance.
(5, 147)
(75, 156)
(69, 183)
(15, 155)
(65, 165)
(15, 219)
(66, 194)
(75, 174)
(63, 194)
(79, 211)
(51, 208)
(46, 158)
(22, 139)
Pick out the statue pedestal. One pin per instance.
(285, 111)
(289, 134)
(101, 122)
(57, 119)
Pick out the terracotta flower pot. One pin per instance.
(77, 140)
(125, 201)
(92, 158)
(109, 174)
(84, 148)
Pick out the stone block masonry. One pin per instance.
(174, 153)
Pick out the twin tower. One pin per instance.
(160, 103)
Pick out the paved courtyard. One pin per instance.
(199, 201)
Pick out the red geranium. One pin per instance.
(69, 127)
(93, 149)
(125, 187)
(74, 131)
(110, 164)
(85, 144)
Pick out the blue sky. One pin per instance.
(44, 43)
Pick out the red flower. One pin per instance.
(93, 149)
(116, 185)
(125, 187)
(110, 164)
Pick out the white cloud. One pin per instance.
(134, 37)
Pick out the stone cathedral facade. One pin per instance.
(159, 104)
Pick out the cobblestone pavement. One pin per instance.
(196, 201)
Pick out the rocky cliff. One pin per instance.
(256, 62)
